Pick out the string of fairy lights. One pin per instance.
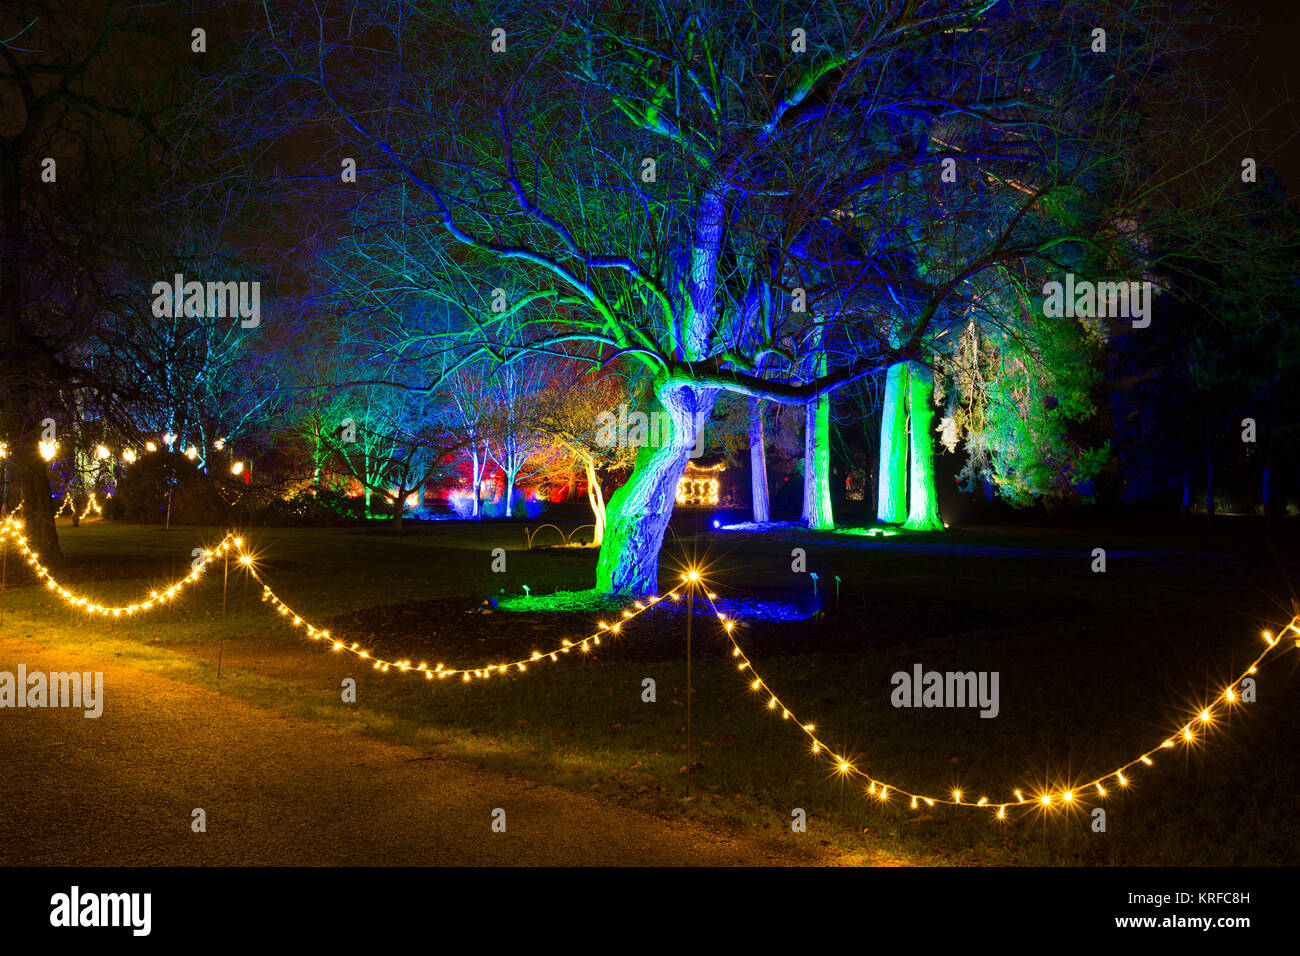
(440, 671)
(49, 448)
(1189, 732)
(11, 528)
(233, 546)
(91, 505)
(1192, 730)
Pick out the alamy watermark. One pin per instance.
(1084, 299)
(75, 908)
(216, 300)
(55, 689)
(639, 430)
(922, 688)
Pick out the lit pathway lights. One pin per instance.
(1189, 732)
(1193, 729)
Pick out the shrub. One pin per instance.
(535, 506)
(143, 489)
(461, 502)
(521, 506)
(302, 507)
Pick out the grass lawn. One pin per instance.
(1094, 668)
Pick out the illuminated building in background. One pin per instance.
(699, 484)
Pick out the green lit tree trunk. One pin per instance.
(758, 463)
(923, 510)
(892, 499)
(817, 465)
(638, 513)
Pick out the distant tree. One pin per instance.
(570, 413)
(96, 145)
(393, 446)
(1224, 349)
(1012, 402)
(516, 444)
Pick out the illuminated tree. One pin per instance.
(465, 398)
(570, 413)
(923, 505)
(892, 500)
(513, 439)
(715, 195)
(1014, 401)
(817, 460)
(317, 412)
(759, 493)
(206, 380)
(393, 446)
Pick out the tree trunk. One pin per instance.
(399, 507)
(509, 476)
(923, 513)
(478, 466)
(1209, 489)
(638, 513)
(817, 465)
(316, 459)
(1186, 508)
(75, 490)
(38, 511)
(597, 499)
(758, 463)
(1268, 490)
(892, 501)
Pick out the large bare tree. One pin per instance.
(748, 197)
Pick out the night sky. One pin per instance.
(1265, 68)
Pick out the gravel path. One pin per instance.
(277, 790)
